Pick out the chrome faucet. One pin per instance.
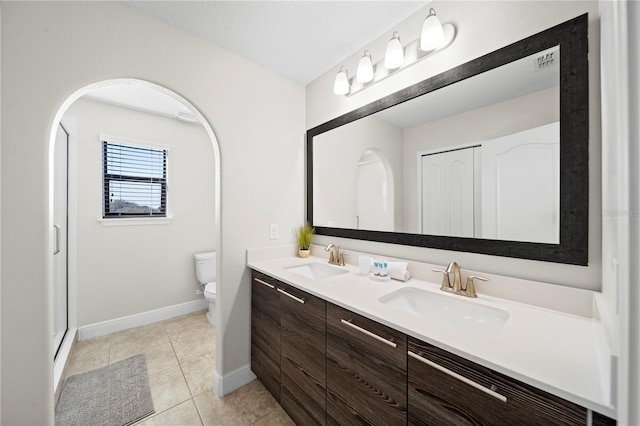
(335, 257)
(469, 289)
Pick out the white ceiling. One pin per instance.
(299, 39)
(302, 40)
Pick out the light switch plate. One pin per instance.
(274, 233)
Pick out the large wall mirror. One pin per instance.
(489, 157)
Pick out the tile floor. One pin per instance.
(180, 360)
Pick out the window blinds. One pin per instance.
(134, 180)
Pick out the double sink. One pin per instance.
(444, 308)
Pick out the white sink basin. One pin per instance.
(316, 271)
(450, 310)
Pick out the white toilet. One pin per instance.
(206, 274)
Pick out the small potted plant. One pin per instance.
(303, 239)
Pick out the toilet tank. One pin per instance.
(206, 267)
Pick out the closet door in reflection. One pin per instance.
(521, 186)
(447, 187)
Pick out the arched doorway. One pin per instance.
(374, 192)
(187, 113)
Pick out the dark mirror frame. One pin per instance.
(572, 38)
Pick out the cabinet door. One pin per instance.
(445, 389)
(366, 371)
(265, 332)
(303, 355)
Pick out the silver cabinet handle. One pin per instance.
(265, 283)
(368, 333)
(57, 238)
(458, 376)
(297, 299)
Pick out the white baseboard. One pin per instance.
(224, 385)
(118, 324)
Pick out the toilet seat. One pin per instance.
(210, 289)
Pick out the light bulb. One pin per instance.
(394, 56)
(365, 68)
(341, 83)
(432, 35)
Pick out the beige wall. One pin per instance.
(52, 49)
(125, 270)
(481, 27)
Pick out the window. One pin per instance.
(134, 180)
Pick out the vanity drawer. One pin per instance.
(266, 370)
(265, 317)
(264, 295)
(265, 332)
(303, 355)
(366, 370)
(444, 389)
(303, 331)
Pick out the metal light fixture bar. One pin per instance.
(412, 55)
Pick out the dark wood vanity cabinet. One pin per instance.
(303, 356)
(366, 371)
(327, 365)
(265, 332)
(444, 389)
(288, 347)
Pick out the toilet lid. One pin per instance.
(210, 288)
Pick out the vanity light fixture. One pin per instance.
(365, 68)
(432, 35)
(341, 83)
(394, 55)
(434, 38)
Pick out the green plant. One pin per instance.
(303, 236)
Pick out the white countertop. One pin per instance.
(555, 351)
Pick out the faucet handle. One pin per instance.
(470, 289)
(446, 284)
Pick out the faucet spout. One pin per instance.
(457, 278)
(335, 257)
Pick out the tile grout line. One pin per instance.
(183, 375)
(266, 414)
(164, 327)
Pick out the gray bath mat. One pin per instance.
(115, 395)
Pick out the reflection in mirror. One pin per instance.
(374, 199)
(442, 147)
(489, 157)
(491, 189)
